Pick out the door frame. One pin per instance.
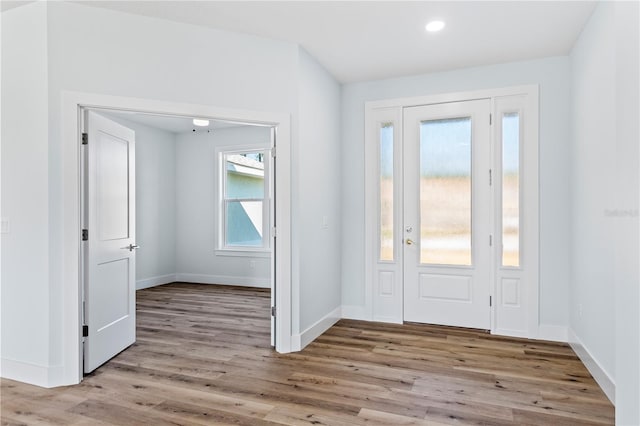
(72, 105)
(391, 305)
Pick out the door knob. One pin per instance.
(131, 247)
(409, 241)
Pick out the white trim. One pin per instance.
(223, 280)
(354, 312)
(70, 136)
(604, 379)
(553, 333)
(221, 183)
(243, 253)
(299, 341)
(448, 97)
(155, 281)
(34, 374)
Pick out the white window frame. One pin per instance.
(236, 250)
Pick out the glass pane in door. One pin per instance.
(445, 191)
(511, 189)
(386, 192)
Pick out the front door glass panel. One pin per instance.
(445, 191)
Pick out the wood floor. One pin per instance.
(202, 357)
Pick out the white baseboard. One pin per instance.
(299, 341)
(155, 281)
(553, 333)
(354, 312)
(34, 374)
(601, 376)
(224, 280)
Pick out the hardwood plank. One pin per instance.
(375, 417)
(202, 356)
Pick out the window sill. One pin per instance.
(243, 253)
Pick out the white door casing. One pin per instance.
(109, 252)
(514, 290)
(73, 105)
(446, 275)
(272, 225)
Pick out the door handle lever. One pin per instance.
(131, 247)
(409, 241)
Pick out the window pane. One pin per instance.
(386, 191)
(511, 189)
(445, 191)
(245, 175)
(244, 223)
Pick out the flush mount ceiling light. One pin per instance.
(200, 122)
(434, 26)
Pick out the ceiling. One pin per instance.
(369, 40)
(173, 124)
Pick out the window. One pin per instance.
(386, 191)
(511, 189)
(244, 200)
(445, 191)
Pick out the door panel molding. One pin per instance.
(110, 212)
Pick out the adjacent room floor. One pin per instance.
(202, 356)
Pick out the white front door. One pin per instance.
(447, 214)
(109, 249)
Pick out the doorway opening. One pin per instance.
(278, 126)
(156, 189)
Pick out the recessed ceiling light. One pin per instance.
(200, 123)
(434, 26)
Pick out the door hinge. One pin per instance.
(490, 301)
(85, 330)
(490, 177)
(85, 235)
(490, 240)
(273, 152)
(85, 138)
(274, 232)
(490, 119)
(273, 311)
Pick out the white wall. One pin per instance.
(25, 199)
(592, 180)
(155, 204)
(552, 75)
(605, 273)
(318, 223)
(176, 208)
(197, 212)
(627, 229)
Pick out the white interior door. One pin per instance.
(447, 214)
(109, 250)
